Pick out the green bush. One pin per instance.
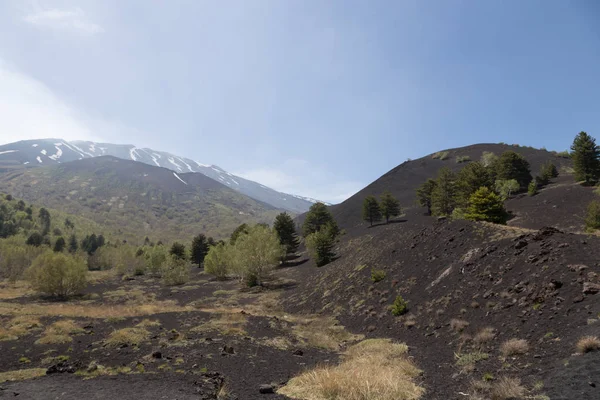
(175, 271)
(377, 275)
(320, 246)
(462, 159)
(399, 307)
(444, 155)
(57, 274)
(217, 261)
(532, 188)
(155, 258)
(592, 219)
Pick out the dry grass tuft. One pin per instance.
(485, 335)
(321, 332)
(226, 324)
(19, 326)
(21, 374)
(147, 323)
(514, 347)
(507, 388)
(587, 344)
(374, 369)
(15, 290)
(59, 332)
(127, 337)
(458, 325)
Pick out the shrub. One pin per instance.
(488, 158)
(587, 344)
(58, 274)
(320, 246)
(175, 271)
(377, 275)
(532, 188)
(128, 337)
(15, 258)
(258, 253)
(508, 388)
(458, 325)
(60, 244)
(155, 258)
(444, 155)
(514, 347)
(462, 159)
(485, 205)
(217, 261)
(35, 239)
(564, 154)
(592, 218)
(484, 335)
(399, 307)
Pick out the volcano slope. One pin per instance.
(490, 307)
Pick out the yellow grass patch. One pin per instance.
(96, 277)
(60, 332)
(21, 374)
(322, 332)
(225, 323)
(513, 347)
(147, 323)
(14, 290)
(374, 369)
(128, 336)
(587, 344)
(19, 326)
(91, 310)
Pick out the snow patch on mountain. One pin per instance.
(39, 159)
(172, 161)
(133, 154)
(177, 176)
(43, 152)
(58, 153)
(8, 151)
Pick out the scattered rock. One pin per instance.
(228, 350)
(264, 389)
(157, 354)
(60, 368)
(298, 352)
(591, 288)
(520, 244)
(371, 328)
(578, 299)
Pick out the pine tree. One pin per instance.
(424, 193)
(371, 211)
(318, 216)
(59, 245)
(320, 245)
(511, 165)
(200, 248)
(35, 239)
(73, 244)
(286, 232)
(178, 251)
(586, 158)
(469, 179)
(44, 217)
(390, 206)
(485, 205)
(443, 197)
(243, 229)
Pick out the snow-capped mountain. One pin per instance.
(52, 151)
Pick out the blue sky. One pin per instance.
(312, 97)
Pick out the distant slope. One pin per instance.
(403, 180)
(137, 200)
(44, 152)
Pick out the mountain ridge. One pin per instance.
(39, 152)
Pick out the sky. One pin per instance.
(311, 97)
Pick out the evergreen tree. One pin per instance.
(69, 224)
(320, 245)
(469, 179)
(390, 206)
(200, 248)
(44, 217)
(424, 193)
(243, 229)
(371, 211)
(511, 165)
(73, 244)
(101, 240)
(318, 216)
(35, 239)
(89, 244)
(586, 158)
(443, 197)
(485, 205)
(286, 232)
(59, 245)
(178, 251)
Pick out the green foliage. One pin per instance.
(175, 271)
(547, 172)
(424, 194)
(90, 243)
(59, 245)
(58, 274)
(462, 159)
(371, 211)
(443, 197)
(178, 250)
(243, 229)
(469, 179)
(399, 307)
(320, 246)
(441, 155)
(155, 257)
(377, 275)
(258, 253)
(564, 154)
(390, 206)
(532, 189)
(286, 232)
(592, 217)
(488, 158)
(506, 187)
(485, 205)
(586, 158)
(511, 165)
(318, 216)
(218, 261)
(200, 246)
(73, 244)
(45, 221)
(15, 257)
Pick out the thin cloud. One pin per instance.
(64, 20)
